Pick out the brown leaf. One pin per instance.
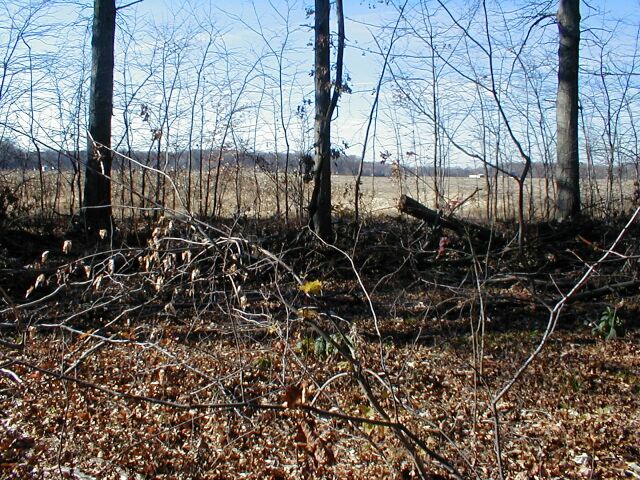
(294, 395)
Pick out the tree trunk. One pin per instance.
(568, 177)
(411, 207)
(320, 203)
(97, 187)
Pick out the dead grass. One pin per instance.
(256, 194)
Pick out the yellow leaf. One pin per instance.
(313, 287)
(307, 313)
(344, 366)
(368, 428)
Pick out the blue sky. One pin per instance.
(237, 22)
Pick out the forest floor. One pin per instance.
(195, 350)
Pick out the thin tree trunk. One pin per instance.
(320, 204)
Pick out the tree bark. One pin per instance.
(320, 203)
(411, 207)
(568, 166)
(97, 187)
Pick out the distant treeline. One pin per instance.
(13, 157)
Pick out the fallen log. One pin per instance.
(414, 208)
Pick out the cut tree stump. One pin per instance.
(414, 208)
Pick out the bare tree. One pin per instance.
(320, 204)
(568, 175)
(97, 187)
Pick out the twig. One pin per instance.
(250, 404)
(86, 354)
(128, 5)
(402, 432)
(554, 315)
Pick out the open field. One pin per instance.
(257, 194)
